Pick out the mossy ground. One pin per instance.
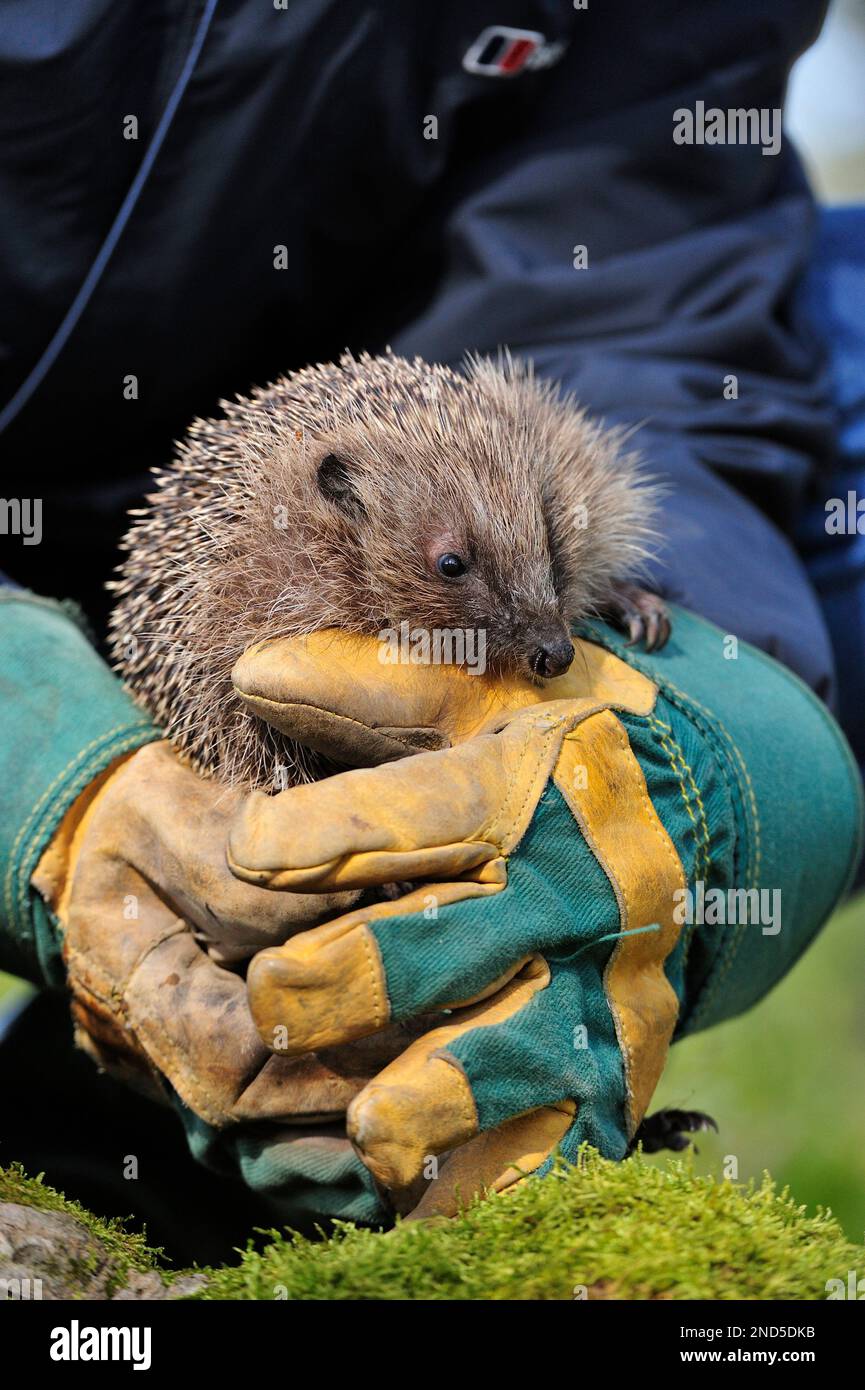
(629, 1230)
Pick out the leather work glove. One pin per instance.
(137, 878)
(636, 850)
(115, 889)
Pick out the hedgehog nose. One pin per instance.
(553, 658)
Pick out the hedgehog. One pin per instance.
(363, 494)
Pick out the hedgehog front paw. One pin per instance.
(642, 615)
(668, 1129)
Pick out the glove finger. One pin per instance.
(437, 816)
(340, 694)
(492, 1162)
(350, 977)
(356, 700)
(424, 1105)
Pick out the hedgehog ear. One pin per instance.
(335, 483)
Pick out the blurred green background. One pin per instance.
(785, 1082)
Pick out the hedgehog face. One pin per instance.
(463, 550)
(517, 611)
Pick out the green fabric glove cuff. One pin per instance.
(796, 801)
(306, 1174)
(65, 718)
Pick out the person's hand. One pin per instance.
(533, 849)
(150, 913)
(549, 853)
(114, 887)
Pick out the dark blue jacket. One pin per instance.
(306, 127)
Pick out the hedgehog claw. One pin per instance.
(642, 615)
(669, 1129)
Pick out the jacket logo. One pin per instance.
(501, 51)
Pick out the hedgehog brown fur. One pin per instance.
(325, 500)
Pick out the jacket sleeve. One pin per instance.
(680, 323)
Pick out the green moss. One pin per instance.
(629, 1230)
(626, 1230)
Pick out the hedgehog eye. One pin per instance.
(451, 566)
